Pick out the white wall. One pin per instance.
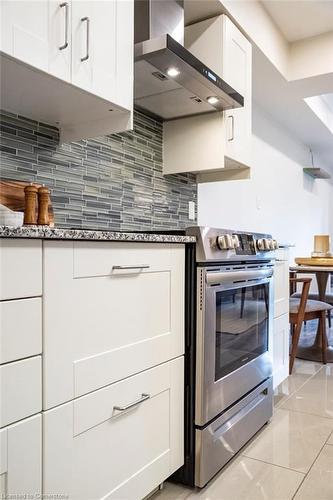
(278, 199)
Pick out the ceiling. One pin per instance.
(299, 19)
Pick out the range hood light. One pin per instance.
(172, 72)
(212, 99)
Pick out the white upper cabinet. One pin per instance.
(236, 70)
(60, 39)
(206, 144)
(84, 50)
(94, 47)
(24, 31)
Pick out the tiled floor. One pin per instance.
(291, 458)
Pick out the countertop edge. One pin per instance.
(47, 233)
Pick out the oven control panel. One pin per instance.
(225, 244)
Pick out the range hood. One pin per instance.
(169, 81)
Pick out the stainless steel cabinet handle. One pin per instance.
(87, 20)
(231, 138)
(142, 266)
(65, 44)
(143, 398)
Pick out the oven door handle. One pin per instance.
(215, 278)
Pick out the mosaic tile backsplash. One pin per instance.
(113, 182)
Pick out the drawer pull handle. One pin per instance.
(65, 44)
(143, 398)
(142, 266)
(87, 20)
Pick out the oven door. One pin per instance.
(233, 336)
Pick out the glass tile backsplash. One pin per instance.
(112, 182)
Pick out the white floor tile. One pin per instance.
(315, 396)
(318, 484)
(291, 440)
(243, 479)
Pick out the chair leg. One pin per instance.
(322, 322)
(295, 338)
(329, 315)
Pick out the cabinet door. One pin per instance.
(281, 283)
(237, 71)
(280, 349)
(21, 459)
(94, 47)
(94, 449)
(20, 268)
(60, 38)
(24, 31)
(103, 323)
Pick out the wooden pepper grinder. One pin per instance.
(30, 207)
(43, 206)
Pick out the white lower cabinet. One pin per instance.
(21, 459)
(280, 349)
(92, 450)
(20, 389)
(110, 310)
(281, 317)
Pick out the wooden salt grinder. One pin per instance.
(30, 206)
(43, 206)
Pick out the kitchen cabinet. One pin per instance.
(83, 52)
(24, 31)
(20, 389)
(94, 47)
(20, 268)
(215, 142)
(281, 329)
(110, 310)
(95, 448)
(21, 459)
(20, 329)
(60, 39)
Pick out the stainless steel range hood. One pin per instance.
(169, 81)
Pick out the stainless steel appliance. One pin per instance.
(169, 81)
(229, 372)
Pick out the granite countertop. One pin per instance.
(48, 233)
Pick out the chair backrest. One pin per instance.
(304, 294)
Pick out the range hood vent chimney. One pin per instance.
(169, 81)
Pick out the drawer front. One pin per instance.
(21, 268)
(102, 323)
(20, 329)
(20, 390)
(86, 439)
(21, 459)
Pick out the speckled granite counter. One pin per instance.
(47, 233)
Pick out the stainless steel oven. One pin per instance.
(234, 321)
(228, 370)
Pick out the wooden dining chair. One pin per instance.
(301, 309)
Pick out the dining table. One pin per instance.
(307, 348)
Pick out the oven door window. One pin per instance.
(241, 327)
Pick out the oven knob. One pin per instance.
(261, 245)
(224, 242)
(275, 244)
(236, 241)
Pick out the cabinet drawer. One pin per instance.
(21, 459)
(86, 439)
(101, 323)
(21, 268)
(20, 390)
(20, 329)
